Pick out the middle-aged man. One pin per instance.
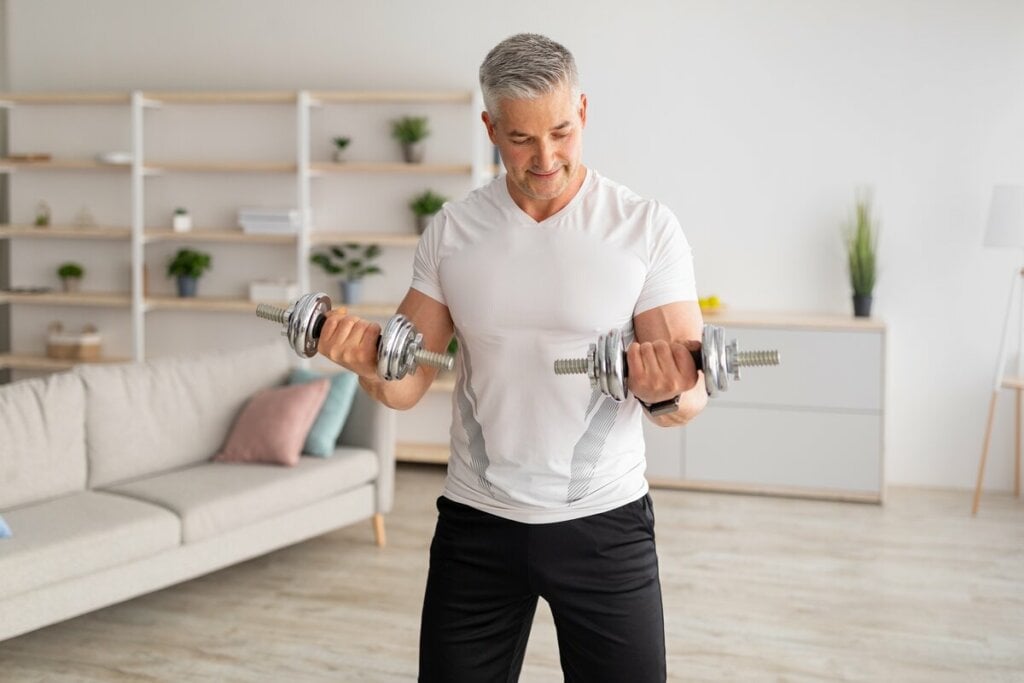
(545, 494)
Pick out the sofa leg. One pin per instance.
(378, 530)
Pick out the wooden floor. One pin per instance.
(756, 589)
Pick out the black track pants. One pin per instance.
(599, 575)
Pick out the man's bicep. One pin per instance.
(430, 317)
(677, 321)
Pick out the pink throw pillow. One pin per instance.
(273, 425)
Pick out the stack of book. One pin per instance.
(269, 221)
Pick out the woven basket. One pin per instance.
(85, 345)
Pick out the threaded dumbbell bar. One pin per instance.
(399, 347)
(607, 369)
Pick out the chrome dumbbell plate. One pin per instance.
(399, 342)
(303, 315)
(608, 365)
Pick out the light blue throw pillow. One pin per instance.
(5, 531)
(323, 435)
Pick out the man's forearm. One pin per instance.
(397, 394)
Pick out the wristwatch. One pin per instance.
(661, 407)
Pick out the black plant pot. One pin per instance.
(862, 306)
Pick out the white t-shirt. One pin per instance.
(526, 444)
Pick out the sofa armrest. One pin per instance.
(372, 425)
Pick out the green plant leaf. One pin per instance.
(410, 129)
(861, 237)
(189, 263)
(352, 265)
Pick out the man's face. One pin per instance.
(541, 142)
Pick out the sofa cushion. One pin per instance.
(42, 439)
(215, 497)
(170, 412)
(323, 435)
(274, 423)
(78, 534)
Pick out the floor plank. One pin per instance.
(755, 588)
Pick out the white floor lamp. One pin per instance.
(1005, 229)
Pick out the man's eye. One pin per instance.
(520, 142)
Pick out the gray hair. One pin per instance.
(524, 67)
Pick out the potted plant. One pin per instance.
(424, 206)
(340, 143)
(861, 237)
(182, 222)
(354, 262)
(410, 131)
(70, 275)
(42, 214)
(188, 265)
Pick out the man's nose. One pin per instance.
(545, 155)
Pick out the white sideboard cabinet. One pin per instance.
(812, 427)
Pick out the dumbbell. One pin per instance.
(399, 347)
(607, 369)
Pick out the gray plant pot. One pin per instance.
(187, 286)
(861, 306)
(71, 284)
(412, 152)
(351, 291)
(422, 222)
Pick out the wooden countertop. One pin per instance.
(803, 320)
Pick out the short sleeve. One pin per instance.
(426, 275)
(670, 275)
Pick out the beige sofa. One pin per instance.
(107, 484)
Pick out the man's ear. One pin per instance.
(489, 125)
(583, 110)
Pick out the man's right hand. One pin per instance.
(350, 342)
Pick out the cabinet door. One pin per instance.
(821, 451)
(818, 369)
(664, 449)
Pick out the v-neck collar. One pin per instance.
(524, 217)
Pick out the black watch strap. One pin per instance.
(661, 407)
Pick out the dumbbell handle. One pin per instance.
(578, 366)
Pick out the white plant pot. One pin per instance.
(182, 222)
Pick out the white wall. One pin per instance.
(755, 121)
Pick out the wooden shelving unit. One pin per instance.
(444, 384)
(390, 97)
(329, 168)
(157, 168)
(8, 99)
(384, 239)
(64, 232)
(226, 236)
(144, 108)
(238, 305)
(15, 361)
(213, 97)
(91, 299)
(430, 453)
(204, 304)
(9, 165)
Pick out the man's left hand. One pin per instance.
(661, 370)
